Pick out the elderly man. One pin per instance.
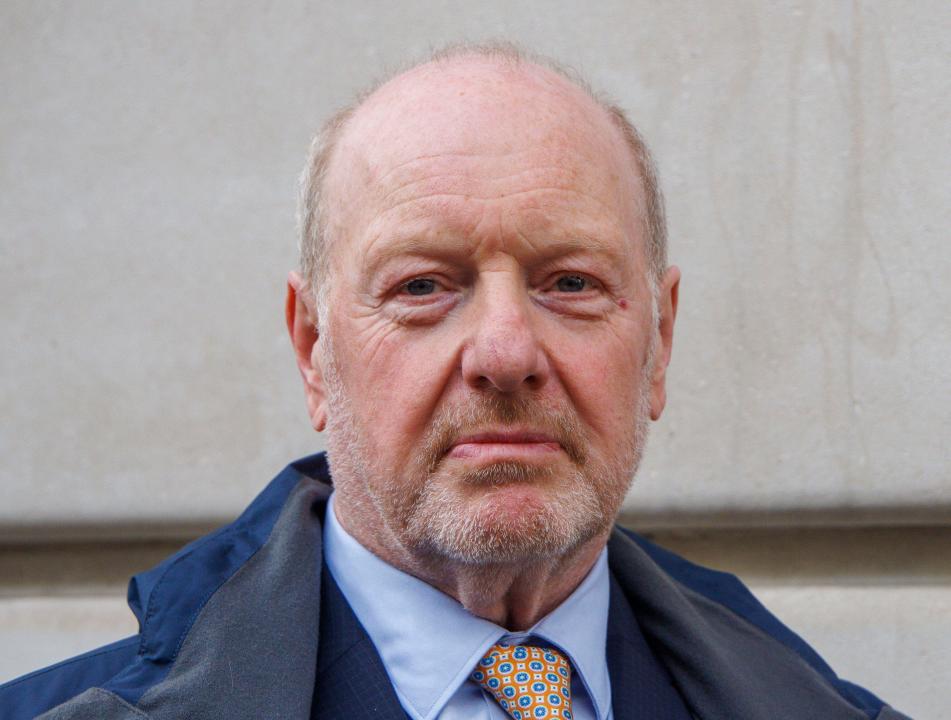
(483, 323)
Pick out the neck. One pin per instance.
(513, 595)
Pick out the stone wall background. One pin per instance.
(148, 159)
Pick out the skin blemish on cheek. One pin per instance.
(622, 303)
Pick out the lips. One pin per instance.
(495, 446)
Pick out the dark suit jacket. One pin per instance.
(232, 626)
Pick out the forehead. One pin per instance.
(482, 128)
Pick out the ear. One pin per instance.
(664, 337)
(301, 318)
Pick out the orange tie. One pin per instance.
(528, 682)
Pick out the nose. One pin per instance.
(504, 353)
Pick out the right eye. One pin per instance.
(419, 286)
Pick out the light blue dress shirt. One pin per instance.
(429, 643)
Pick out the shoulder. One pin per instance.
(167, 600)
(32, 694)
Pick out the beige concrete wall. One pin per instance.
(148, 153)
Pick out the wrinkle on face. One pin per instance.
(467, 239)
(443, 170)
(524, 230)
(486, 180)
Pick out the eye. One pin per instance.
(572, 283)
(420, 286)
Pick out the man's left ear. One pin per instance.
(301, 316)
(664, 337)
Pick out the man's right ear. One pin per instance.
(301, 316)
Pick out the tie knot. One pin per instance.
(528, 682)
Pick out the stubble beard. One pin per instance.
(438, 515)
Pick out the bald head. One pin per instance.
(474, 104)
(481, 103)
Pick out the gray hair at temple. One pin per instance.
(312, 211)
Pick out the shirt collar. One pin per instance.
(429, 643)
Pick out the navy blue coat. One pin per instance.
(245, 623)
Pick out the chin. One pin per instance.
(506, 514)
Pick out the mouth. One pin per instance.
(507, 445)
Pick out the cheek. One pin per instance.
(602, 378)
(395, 378)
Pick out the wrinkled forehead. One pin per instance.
(491, 110)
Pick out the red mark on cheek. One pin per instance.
(622, 303)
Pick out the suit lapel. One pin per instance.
(620, 670)
(351, 681)
(641, 689)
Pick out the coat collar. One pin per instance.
(723, 666)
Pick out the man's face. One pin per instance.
(487, 349)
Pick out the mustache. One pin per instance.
(453, 422)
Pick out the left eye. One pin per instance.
(420, 286)
(572, 283)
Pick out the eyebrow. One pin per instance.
(421, 245)
(415, 245)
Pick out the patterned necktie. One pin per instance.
(528, 682)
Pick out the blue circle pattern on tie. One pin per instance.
(528, 682)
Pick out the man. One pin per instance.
(483, 323)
